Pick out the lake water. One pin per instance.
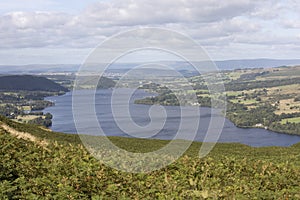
(63, 121)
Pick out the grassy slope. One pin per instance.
(291, 120)
(65, 170)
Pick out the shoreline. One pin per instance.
(234, 135)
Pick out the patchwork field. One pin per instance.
(253, 96)
(25, 118)
(291, 120)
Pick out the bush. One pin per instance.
(66, 170)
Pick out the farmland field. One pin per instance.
(291, 120)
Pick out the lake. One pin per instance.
(63, 121)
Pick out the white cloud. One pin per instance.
(28, 5)
(215, 24)
(144, 12)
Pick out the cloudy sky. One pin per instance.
(61, 31)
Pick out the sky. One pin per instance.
(60, 31)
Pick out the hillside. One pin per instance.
(88, 82)
(37, 163)
(84, 82)
(29, 83)
(259, 98)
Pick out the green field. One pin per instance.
(233, 93)
(26, 108)
(291, 120)
(246, 102)
(281, 72)
(252, 96)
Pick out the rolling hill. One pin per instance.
(29, 83)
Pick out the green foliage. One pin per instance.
(250, 102)
(264, 115)
(35, 130)
(239, 85)
(20, 103)
(241, 116)
(41, 121)
(297, 99)
(65, 170)
(29, 83)
(105, 83)
(289, 127)
(40, 104)
(86, 82)
(48, 116)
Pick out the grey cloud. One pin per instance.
(268, 39)
(290, 24)
(144, 12)
(212, 23)
(34, 20)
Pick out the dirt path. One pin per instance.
(23, 135)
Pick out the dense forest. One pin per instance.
(105, 83)
(240, 84)
(88, 82)
(29, 83)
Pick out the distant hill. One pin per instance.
(89, 82)
(124, 67)
(255, 63)
(105, 83)
(29, 83)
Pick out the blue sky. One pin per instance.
(60, 31)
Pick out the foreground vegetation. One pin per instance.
(63, 169)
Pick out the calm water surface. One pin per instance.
(63, 121)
